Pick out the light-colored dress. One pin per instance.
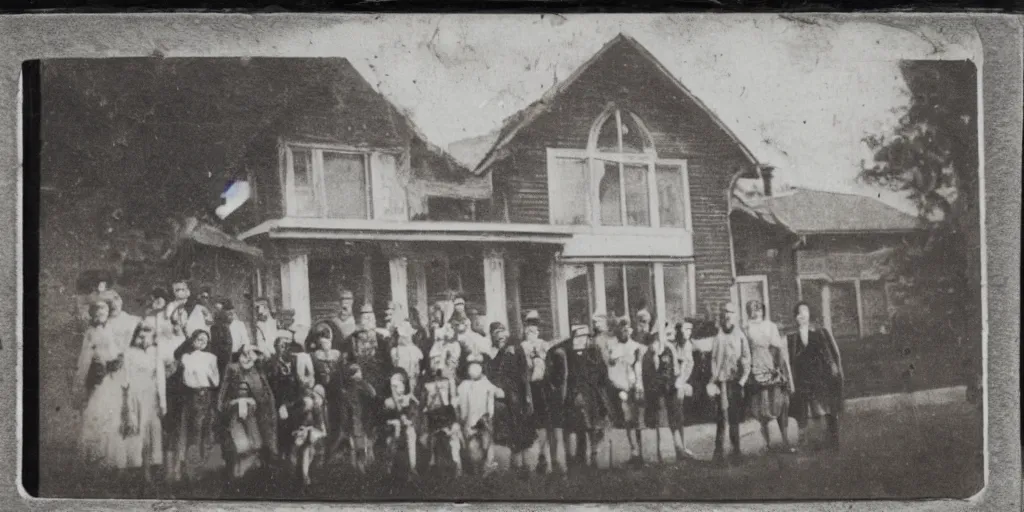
(769, 371)
(123, 326)
(148, 392)
(100, 441)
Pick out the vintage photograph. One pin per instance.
(645, 257)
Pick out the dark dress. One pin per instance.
(221, 343)
(359, 410)
(285, 386)
(512, 423)
(579, 379)
(341, 332)
(327, 371)
(817, 375)
(660, 390)
(259, 429)
(372, 355)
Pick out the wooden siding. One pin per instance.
(680, 129)
(535, 289)
(753, 240)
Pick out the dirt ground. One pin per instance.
(905, 452)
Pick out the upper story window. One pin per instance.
(327, 183)
(618, 180)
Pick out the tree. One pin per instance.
(932, 156)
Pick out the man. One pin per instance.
(536, 350)
(239, 333)
(187, 313)
(643, 334)
(730, 369)
(222, 342)
(266, 327)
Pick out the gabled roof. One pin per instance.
(516, 122)
(810, 212)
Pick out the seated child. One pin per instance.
(400, 411)
(476, 397)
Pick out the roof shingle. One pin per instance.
(807, 212)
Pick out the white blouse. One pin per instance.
(199, 370)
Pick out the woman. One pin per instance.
(248, 412)
(665, 369)
(327, 364)
(401, 414)
(99, 385)
(510, 371)
(817, 375)
(148, 398)
(421, 338)
(579, 405)
(771, 380)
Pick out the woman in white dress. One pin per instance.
(99, 385)
(148, 400)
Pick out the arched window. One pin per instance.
(618, 180)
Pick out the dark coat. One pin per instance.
(579, 384)
(817, 374)
(509, 371)
(238, 382)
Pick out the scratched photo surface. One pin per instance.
(517, 257)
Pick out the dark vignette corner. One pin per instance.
(30, 276)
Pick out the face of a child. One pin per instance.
(397, 385)
(475, 371)
(532, 332)
(202, 339)
(803, 315)
(687, 331)
(181, 291)
(145, 338)
(324, 342)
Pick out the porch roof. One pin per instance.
(425, 231)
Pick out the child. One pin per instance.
(440, 398)
(476, 411)
(400, 410)
(406, 355)
(327, 373)
(310, 431)
(148, 396)
(201, 377)
(358, 398)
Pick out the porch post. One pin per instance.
(826, 305)
(367, 281)
(295, 286)
(400, 284)
(660, 306)
(419, 274)
(494, 286)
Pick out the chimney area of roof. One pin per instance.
(766, 178)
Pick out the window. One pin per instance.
(852, 308)
(624, 289)
(874, 305)
(618, 180)
(327, 183)
(455, 210)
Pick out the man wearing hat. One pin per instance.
(266, 326)
(730, 368)
(579, 411)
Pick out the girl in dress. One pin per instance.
(771, 380)
(248, 413)
(99, 385)
(201, 378)
(401, 410)
(148, 397)
(443, 436)
(476, 414)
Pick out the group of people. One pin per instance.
(164, 387)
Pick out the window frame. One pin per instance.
(826, 297)
(753, 278)
(318, 177)
(594, 161)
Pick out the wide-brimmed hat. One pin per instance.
(285, 334)
(459, 300)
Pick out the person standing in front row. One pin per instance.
(772, 381)
(817, 375)
(536, 349)
(730, 369)
(580, 380)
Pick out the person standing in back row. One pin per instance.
(730, 369)
(817, 375)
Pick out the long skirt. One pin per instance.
(150, 438)
(769, 402)
(512, 427)
(667, 401)
(194, 423)
(100, 441)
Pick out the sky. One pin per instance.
(800, 92)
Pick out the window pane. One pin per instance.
(677, 292)
(640, 288)
(610, 193)
(873, 303)
(633, 140)
(613, 292)
(580, 292)
(638, 199)
(304, 191)
(449, 209)
(608, 137)
(749, 291)
(844, 310)
(345, 185)
(570, 208)
(671, 196)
